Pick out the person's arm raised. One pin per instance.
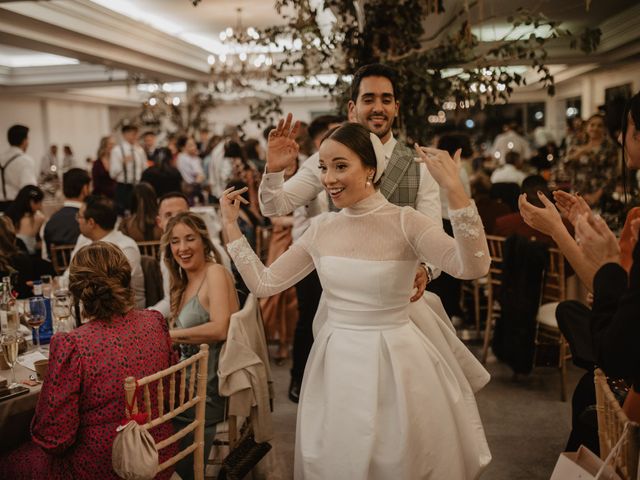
(291, 267)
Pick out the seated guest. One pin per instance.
(169, 206)
(511, 171)
(103, 184)
(141, 224)
(14, 263)
(26, 214)
(97, 220)
(82, 398)
(62, 228)
(490, 209)
(164, 177)
(514, 224)
(203, 297)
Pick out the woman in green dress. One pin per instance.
(203, 298)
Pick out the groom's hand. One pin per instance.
(420, 283)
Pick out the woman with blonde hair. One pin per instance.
(82, 399)
(103, 184)
(202, 300)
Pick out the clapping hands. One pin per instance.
(570, 206)
(596, 240)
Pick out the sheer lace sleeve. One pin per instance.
(466, 256)
(291, 267)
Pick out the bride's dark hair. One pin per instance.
(357, 139)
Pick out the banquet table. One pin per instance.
(16, 413)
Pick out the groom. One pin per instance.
(373, 104)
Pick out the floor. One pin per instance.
(525, 422)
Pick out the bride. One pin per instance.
(380, 399)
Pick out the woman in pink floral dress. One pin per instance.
(82, 398)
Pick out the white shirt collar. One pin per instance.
(389, 146)
(72, 203)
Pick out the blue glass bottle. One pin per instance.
(46, 329)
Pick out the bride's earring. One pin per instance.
(369, 181)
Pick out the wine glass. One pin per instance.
(62, 310)
(35, 312)
(9, 342)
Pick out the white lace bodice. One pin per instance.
(373, 230)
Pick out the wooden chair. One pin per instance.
(494, 280)
(611, 423)
(474, 288)
(187, 396)
(61, 257)
(548, 335)
(151, 248)
(239, 423)
(263, 239)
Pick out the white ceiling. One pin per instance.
(15, 57)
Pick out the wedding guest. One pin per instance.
(510, 171)
(26, 214)
(67, 158)
(163, 176)
(17, 169)
(49, 163)
(97, 220)
(15, 263)
(254, 154)
(82, 399)
(128, 160)
(202, 300)
(103, 184)
(62, 228)
(141, 224)
(169, 206)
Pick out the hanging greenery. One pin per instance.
(449, 64)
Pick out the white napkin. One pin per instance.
(28, 359)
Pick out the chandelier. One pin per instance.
(243, 63)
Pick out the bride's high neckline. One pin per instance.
(366, 205)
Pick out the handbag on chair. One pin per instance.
(134, 455)
(241, 460)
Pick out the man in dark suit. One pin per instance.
(62, 228)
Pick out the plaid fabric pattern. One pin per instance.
(401, 178)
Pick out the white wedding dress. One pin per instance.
(381, 399)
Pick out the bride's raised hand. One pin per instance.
(230, 204)
(282, 149)
(444, 169)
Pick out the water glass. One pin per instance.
(62, 311)
(9, 342)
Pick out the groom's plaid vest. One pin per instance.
(401, 178)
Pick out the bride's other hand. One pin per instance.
(230, 204)
(444, 169)
(282, 149)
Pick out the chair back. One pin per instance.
(181, 398)
(496, 249)
(554, 288)
(61, 257)
(150, 248)
(611, 424)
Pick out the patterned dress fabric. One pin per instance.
(82, 399)
(383, 396)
